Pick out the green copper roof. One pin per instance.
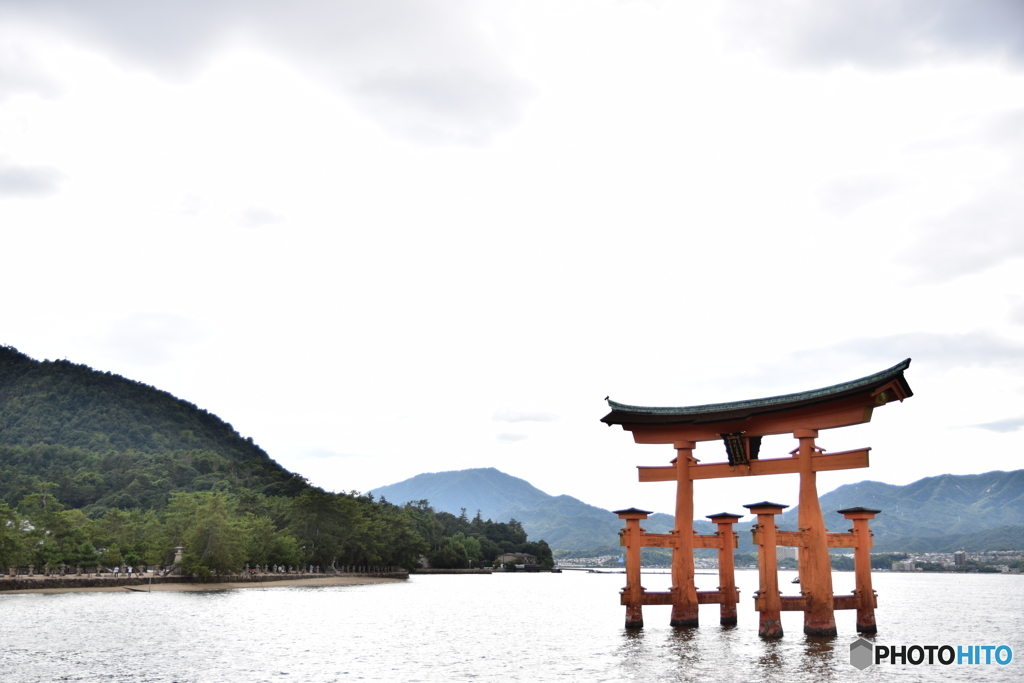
(624, 414)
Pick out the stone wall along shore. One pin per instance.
(107, 581)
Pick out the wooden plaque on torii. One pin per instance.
(741, 426)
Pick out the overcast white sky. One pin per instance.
(407, 236)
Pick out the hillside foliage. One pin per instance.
(98, 469)
(930, 507)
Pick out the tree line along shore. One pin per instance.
(222, 533)
(97, 469)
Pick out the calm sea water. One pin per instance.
(537, 627)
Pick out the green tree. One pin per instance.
(110, 556)
(395, 541)
(842, 562)
(543, 553)
(140, 534)
(212, 531)
(267, 545)
(13, 549)
(329, 527)
(84, 555)
(425, 523)
(884, 561)
(451, 555)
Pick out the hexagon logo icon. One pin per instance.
(862, 653)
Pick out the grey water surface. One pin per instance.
(519, 627)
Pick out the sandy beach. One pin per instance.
(145, 587)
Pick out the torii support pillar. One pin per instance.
(684, 590)
(866, 601)
(727, 566)
(815, 562)
(768, 600)
(633, 593)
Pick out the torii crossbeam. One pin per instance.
(741, 426)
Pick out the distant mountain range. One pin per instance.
(932, 507)
(928, 515)
(566, 523)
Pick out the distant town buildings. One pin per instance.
(1007, 561)
(786, 553)
(987, 561)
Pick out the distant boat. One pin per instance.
(796, 580)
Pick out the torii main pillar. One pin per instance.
(684, 589)
(815, 563)
(741, 426)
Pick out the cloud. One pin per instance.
(422, 69)
(846, 195)
(20, 72)
(867, 355)
(509, 415)
(1007, 129)
(512, 438)
(1010, 424)
(328, 454)
(431, 106)
(974, 237)
(1017, 313)
(150, 338)
(986, 230)
(973, 349)
(191, 205)
(257, 217)
(28, 181)
(882, 34)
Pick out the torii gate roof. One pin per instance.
(839, 405)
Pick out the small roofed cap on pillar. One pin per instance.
(724, 516)
(632, 512)
(766, 508)
(859, 511)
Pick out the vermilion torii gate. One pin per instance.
(741, 426)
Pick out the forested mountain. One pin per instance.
(497, 495)
(916, 517)
(107, 441)
(98, 468)
(933, 506)
(58, 402)
(998, 538)
(566, 523)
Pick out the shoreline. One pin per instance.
(143, 585)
